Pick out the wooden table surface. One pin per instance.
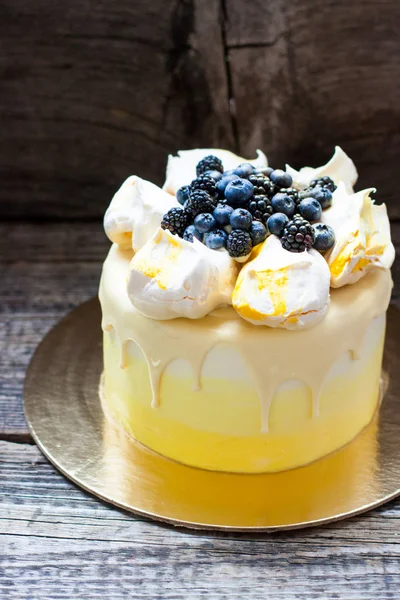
(59, 542)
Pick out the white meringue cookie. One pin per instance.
(181, 169)
(135, 212)
(339, 168)
(170, 278)
(362, 232)
(283, 289)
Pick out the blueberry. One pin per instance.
(191, 232)
(241, 219)
(238, 191)
(215, 239)
(244, 170)
(324, 237)
(183, 194)
(258, 232)
(283, 203)
(281, 178)
(263, 171)
(310, 209)
(204, 222)
(222, 213)
(277, 223)
(216, 175)
(223, 182)
(322, 194)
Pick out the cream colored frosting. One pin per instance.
(283, 289)
(339, 168)
(181, 169)
(362, 233)
(170, 277)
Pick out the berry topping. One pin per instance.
(238, 191)
(325, 182)
(204, 222)
(183, 194)
(200, 202)
(277, 223)
(261, 208)
(298, 235)
(216, 175)
(322, 194)
(223, 182)
(281, 178)
(176, 220)
(205, 183)
(209, 163)
(310, 209)
(222, 213)
(191, 232)
(258, 232)
(283, 203)
(292, 193)
(244, 170)
(241, 219)
(262, 185)
(216, 239)
(324, 237)
(263, 171)
(239, 243)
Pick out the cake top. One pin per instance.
(223, 231)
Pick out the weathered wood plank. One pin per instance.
(59, 542)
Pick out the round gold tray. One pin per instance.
(64, 414)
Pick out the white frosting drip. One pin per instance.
(283, 289)
(170, 277)
(181, 169)
(339, 168)
(362, 233)
(135, 212)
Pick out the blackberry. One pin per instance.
(292, 193)
(239, 243)
(176, 220)
(209, 163)
(325, 182)
(298, 235)
(200, 202)
(261, 208)
(203, 182)
(262, 185)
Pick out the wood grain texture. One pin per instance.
(59, 542)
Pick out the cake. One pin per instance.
(244, 310)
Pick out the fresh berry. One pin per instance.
(277, 223)
(204, 222)
(262, 185)
(322, 194)
(325, 182)
(244, 170)
(241, 219)
(298, 235)
(216, 175)
(191, 232)
(294, 194)
(223, 182)
(238, 191)
(263, 171)
(183, 194)
(261, 208)
(281, 178)
(202, 182)
(209, 163)
(324, 237)
(176, 220)
(200, 202)
(239, 243)
(216, 239)
(283, 203)
(310, 209)
(258, 232)
(222, 213)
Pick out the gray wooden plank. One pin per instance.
(59, 543)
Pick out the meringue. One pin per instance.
(283, 289)
(339, 168)
(135, 212)
(181, 169)
(170, 278)
(362, 233)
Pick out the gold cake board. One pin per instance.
(63, 411)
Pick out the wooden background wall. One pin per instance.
(94, 90)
